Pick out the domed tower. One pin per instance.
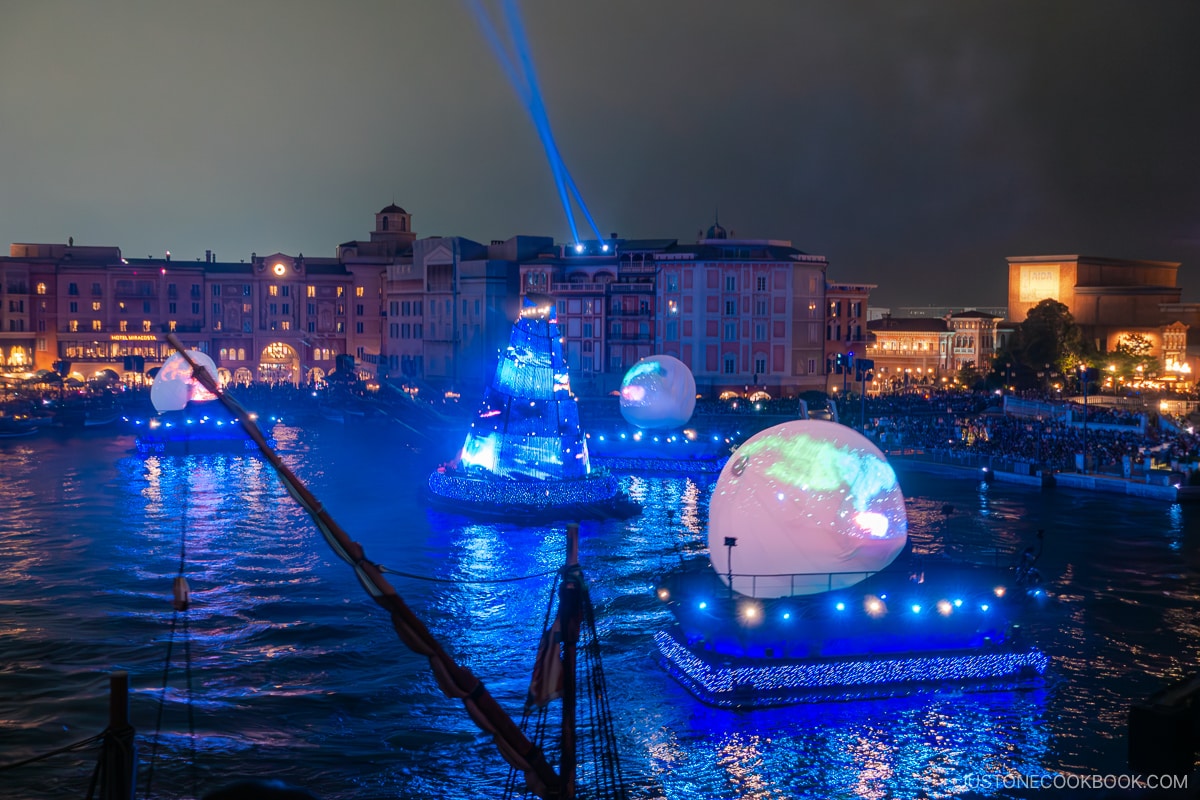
(715, 231)
(393, 224)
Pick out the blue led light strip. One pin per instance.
(717, 683)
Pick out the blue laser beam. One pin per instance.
(526, 86)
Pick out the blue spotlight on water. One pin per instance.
(604, 248)
(702, 605)
(578, 248)
(916, 608)
(840, 606)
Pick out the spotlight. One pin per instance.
(702, 605)
(604, 248)
(664, 594)
(578, 248)
(875, 607)
(998, 591)
(840, 606)
(957, 603)
(944, 607)
(984, 607)
(916, 608)
(787, 615)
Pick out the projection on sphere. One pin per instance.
(174, 386)
(658, 392)
(806, 498)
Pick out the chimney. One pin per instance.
(612, 235)
(208, 256)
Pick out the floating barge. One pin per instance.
(940, 627)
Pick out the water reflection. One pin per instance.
(297, 674)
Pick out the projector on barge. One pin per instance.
(820, 607)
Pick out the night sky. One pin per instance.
(915, 144)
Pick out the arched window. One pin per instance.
(383, 225)
(403, 224)
(241, 354)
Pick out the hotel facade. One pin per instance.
(747, 316)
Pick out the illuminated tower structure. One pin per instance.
(526, 454)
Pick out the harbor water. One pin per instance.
(286, 669)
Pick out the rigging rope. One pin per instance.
(181, 600)
(80, 745)
(453, 679)
(482, 582)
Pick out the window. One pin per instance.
(96, 325)
(760, 283)
(394, 330)
(273, 291)
(287, 308)
(587, 330)
(311, 309)
(358, 328)
(146, 325)
(41, 289)
(95, 305)
(358, 291)
(672, 282)
(286, 325)
(730, 332)
(287, 291)
(358, 309)
(341, 310)
(216, 291)
(171, 308)
(312, 291)
(195, 292)
(123, 325)
(417, 331)
(672, 330)
(171, 326)
(145, 306)
(341, 327)
(73, 325)
(273, 308)
(74, 307)
(760, 365)
(72, 288)
(96, 289)
(41, 345)
(587, 347)
(217, 325)
(216, 309)
(730, 308)
(245, 290)
(195, 309)
(760, 307)
(477, 308)
(341, 290)
(730, 365)
(760, 332)
(731, 283)
(312, 327)
(834, 308)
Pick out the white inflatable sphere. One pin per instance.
(174, 386)
(812, 503)
(658, 392)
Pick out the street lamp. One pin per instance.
(1083, 378)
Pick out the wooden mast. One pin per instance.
(569, 602)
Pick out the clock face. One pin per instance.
(280, 269)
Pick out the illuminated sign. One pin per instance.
(134, 337)
(1038, 282)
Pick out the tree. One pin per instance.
(1048, 335)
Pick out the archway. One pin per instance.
(316, 376)
(243, 376)
(279, 363)
(223, 376)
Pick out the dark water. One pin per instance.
(296, 674)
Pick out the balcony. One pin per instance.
(577, 288)
(631, 288)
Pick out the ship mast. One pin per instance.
(454, 680)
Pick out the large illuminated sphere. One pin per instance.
(174, 386)
(813, 504)
(658, 392)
